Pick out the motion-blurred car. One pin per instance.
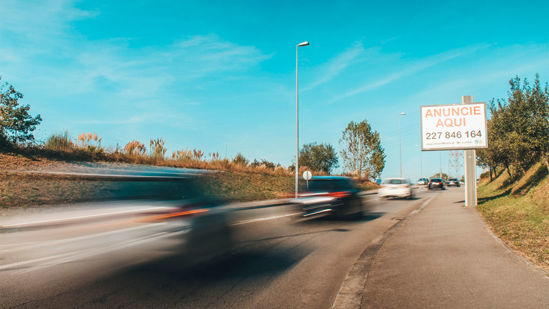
(396, 187)
(437, 183)
(338, 196)
(454, 182)
(423, 181)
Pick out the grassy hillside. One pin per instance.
(20, 189)
(517, 210)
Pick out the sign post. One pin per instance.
(470, 162)
(457, 127)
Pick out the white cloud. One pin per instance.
(337, 65)
(39, 47)
(408, 71)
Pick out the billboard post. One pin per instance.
(457, 127)
(470, 162)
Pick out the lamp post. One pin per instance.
(400, 141)
(420, 162)
(302, 44)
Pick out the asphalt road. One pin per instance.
(276, 261)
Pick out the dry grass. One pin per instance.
(520, 218)
(19, 190)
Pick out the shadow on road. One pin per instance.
(170, 281)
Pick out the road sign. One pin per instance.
(307, 175)
(454, 126)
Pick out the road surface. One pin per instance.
(276, 261)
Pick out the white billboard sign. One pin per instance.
(454, 127)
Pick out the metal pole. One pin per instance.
(296, 124)
(440, 165)
(400, 145)
(469, 159)
(420, 164)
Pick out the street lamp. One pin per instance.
(400, 142)
(302, 44)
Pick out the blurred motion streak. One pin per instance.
(174, 215)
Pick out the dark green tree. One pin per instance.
(362, 151)
(16, 124)
(319, 158)
(518, 130)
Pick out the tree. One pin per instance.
(16, 124)
(362, 153)
(518, 128)
(320, 158)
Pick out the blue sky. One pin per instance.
(220, 75)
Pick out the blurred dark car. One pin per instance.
(437, 183)
(337, 196)
(454, 182)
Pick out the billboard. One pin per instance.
(454, 126)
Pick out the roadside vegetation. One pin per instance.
(514, 192)
(248, 179)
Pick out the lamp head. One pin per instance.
(306, 43)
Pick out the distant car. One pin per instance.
(423, 181)
(330, 195)
(454, 182)
(437, 183)
(396, 187)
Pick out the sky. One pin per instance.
(220, 75)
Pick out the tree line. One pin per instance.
(518, 130)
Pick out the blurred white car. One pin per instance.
(396, 187)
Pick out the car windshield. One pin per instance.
(329, 185)
(436, 180)
(453, 179)
(393, 181)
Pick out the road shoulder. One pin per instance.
(352, 288)
(444, 256)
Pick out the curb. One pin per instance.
(352, 289)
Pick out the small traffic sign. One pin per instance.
(307, 175)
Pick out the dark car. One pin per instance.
(454, 182)
(437, 183)
(338, 196)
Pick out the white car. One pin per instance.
(396, 187)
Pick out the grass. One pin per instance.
(31, 190)
(518, 212)
(239, 178)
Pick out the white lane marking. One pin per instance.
(266, 218)
(87, 253)
(139, 210)
(415, 211)
(79, 238)
(80, 254)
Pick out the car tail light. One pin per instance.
(339, 194)
(406, 186)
